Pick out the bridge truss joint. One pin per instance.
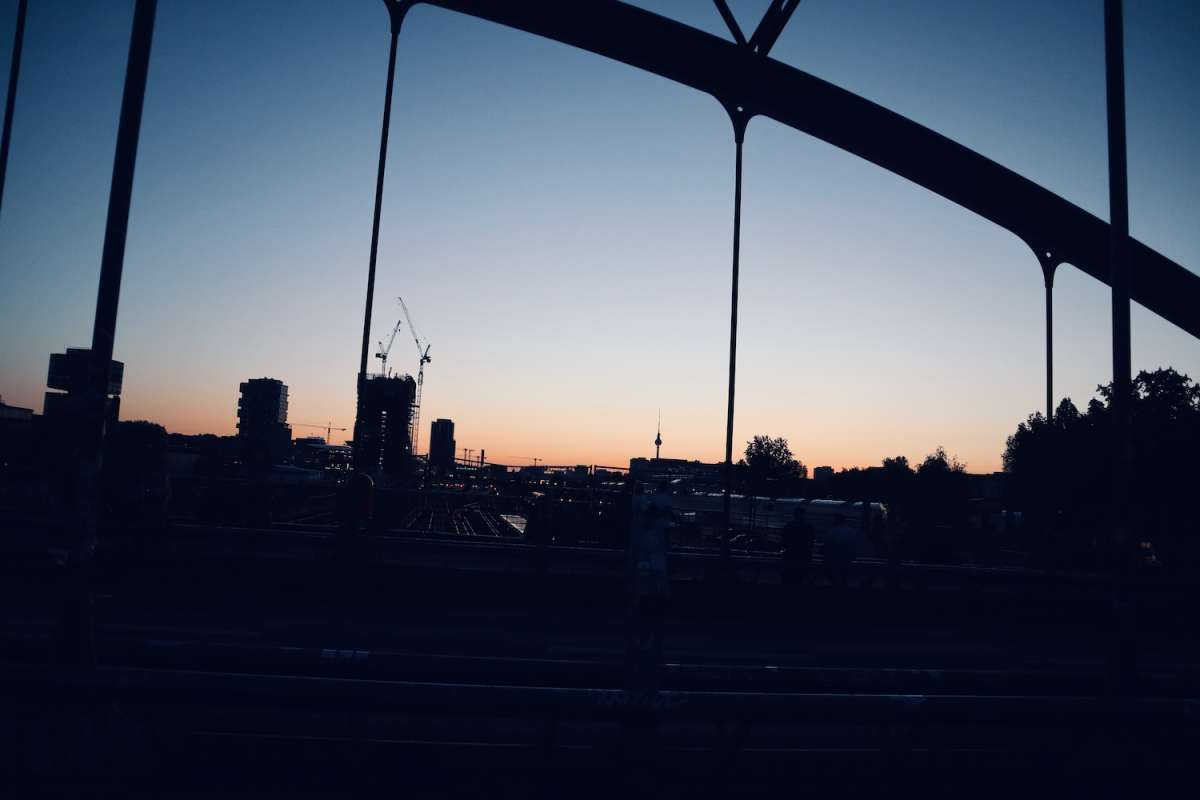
(1048, 261)
(397, 9)
(739, 116)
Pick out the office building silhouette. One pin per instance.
(262, 421)
(441, 445)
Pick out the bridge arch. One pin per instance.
(737, 77)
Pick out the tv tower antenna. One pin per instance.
(658, 436)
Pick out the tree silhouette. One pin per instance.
(938, 463)
(938, 506)
(770, 462)
(769, 469)
(891, 483)
(1059, 470)
(895, 482)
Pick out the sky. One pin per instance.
(560, 224)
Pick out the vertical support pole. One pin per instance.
(10, 103)
(77, 621)
(1118, 243)
(1049, 353)
(1118, 259)
(396, 15)
(120, 196)
(739, 132)
(1119, 279)
(1048, 277)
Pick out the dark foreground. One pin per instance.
(242, 661)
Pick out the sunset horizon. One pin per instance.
(664, 398)
(560, 226)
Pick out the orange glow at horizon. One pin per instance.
(612, 443)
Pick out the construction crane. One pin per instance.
(383, 351)
(534, 459)
(329, 429)
(414, 426)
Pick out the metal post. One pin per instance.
(121, 194)
(739, 132)
(1049, 353)
(104, 328)
(10, 102)
(1048, 276)
(1119, 279)
(396, 13)
(1118, 258)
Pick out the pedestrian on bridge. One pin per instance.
(838, 552)
(798, 538)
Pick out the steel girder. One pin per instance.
(1058, 231)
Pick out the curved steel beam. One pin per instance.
(1058, 231)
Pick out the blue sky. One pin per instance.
(560, 224)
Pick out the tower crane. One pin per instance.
(383, 351)
(328, 427)
(414, 427)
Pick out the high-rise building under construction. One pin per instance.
(383, 436)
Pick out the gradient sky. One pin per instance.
(560, 224)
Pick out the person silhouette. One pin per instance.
(838, 552)
(797, 542)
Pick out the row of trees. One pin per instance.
(1058, 473)
(1060, 469)
(930, 503)
(770, 469)
(1066, 461)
